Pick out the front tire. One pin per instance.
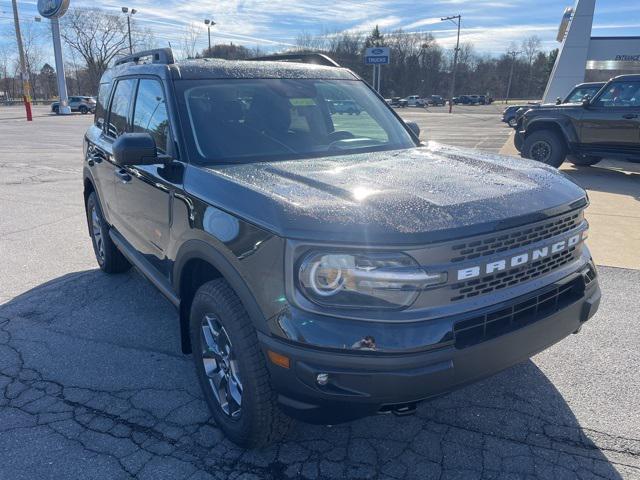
(109, 258)
(513, 123)
(545, 146)
(232, 370)
(584, 160)
(84, 110)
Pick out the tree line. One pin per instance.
(419, 64)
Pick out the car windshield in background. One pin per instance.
(577, 95)
(271, 119)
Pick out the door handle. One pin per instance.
(630, 116)
(123, 175)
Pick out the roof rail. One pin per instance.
(312, 58)
(159, 55)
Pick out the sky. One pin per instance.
(274, 24)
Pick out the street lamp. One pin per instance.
(128, 13)
(513, 54)
(209, 23)
(457, 20)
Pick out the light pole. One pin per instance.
(457, 20)
(26, 88)
(209, 23)
(129, 13)
(513, 54)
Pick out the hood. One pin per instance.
(414, 196)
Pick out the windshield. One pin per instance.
(578, 93)
(270, 119)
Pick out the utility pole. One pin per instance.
(125, 10)
(26, 88)
(209, 23)
(513, 54)
(457, 20)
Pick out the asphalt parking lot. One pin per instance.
(93, 384)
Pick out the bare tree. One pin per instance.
(189, 40)
(530, 49)
(97, 37)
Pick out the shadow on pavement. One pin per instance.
(613, 177)
(94, 386)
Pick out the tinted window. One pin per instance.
(151, 113)
(101, 106)
(579, 93)
(118, 118)
(252, 120)
(620, 94)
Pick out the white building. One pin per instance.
(586, 58)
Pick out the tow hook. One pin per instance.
(405, 410)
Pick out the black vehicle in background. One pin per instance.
(607, 125)
(324, 266)
(514, 113)
(398, 102)
(436, 100)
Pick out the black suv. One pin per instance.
(324, 265)
(607, 125)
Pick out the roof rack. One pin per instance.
(159, 55)
(312, 58)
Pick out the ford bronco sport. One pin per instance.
(607, 125)
(325, 266)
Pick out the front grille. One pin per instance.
(518, 239)
(498, 281)
(490, 325)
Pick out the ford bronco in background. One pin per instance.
(607, 125)
(325, 267)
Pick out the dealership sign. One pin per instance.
(53, 8)
(377, 56)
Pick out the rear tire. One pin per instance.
(584, 160)
(545, 146)
(230, 366)
(109, 258)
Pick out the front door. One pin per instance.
(143, 192)
(612, 121)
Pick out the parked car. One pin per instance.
(83, 105)
(436, 100)
(485, 99)
(325, 271)
(346, 106)
(576, 95)
(397, 102)
(415, 101)
(607, 125)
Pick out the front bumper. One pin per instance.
(363, 384)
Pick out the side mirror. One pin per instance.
(558, 101)
(413, 126)
(586, 101)
(135, 149)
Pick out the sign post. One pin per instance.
(53, 10)
(377, 56)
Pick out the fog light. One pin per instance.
(322, 379)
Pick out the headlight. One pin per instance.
(379, 280)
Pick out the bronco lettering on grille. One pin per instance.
(521, 259)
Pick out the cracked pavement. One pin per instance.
(93, 384)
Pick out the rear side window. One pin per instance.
(101, 106)
(120, 107)
(151, 113)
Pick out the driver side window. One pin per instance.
(620, 94)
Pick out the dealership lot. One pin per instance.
(94, 386)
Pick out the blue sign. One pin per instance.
(53, 8)
(377, 56)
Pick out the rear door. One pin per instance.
(144, 191)
(612, 121)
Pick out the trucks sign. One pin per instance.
(377, 56)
